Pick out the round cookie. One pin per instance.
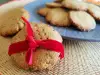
(74, 4)
(82, 20)
(58, 17)
(94, 11)
(43, 11)
(42, 58)
(53, 5)
(12, 23)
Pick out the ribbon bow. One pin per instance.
(30, 45)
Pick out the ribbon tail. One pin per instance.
(52, 45)
(29, 56)
(18, 47)
(28, 27)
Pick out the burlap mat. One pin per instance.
(81, 58)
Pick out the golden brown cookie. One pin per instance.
(82, 20)
(74, 4)
(96, 2)
(42, 58)
(58, 17)
(12, 23)
(43, 11)
(94, 11)
(53, 5)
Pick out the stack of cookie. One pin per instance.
(75, 13)
(43, 59)
(13, 25)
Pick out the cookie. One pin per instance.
(82, 20)
(94, 11)
(53, 5)
(96, 2)
(58, 17)
(43, 11)
(74, 4)
(42, 58)
(12, 23)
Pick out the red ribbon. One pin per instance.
(30, 45)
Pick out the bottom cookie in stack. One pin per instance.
(42, 59)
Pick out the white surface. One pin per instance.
(13, 4)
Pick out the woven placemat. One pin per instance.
(81, 58)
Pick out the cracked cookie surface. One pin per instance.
(42, 58)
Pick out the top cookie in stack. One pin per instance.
(75, 13)
(11, 21)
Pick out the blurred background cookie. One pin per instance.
(96, 2)
(94, 11)
(43, 11)
(74, 4)
(42, 58)
(54, 5)
(12, 23)
(58, 17)
(82, 20)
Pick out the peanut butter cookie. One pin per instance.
(42, 58)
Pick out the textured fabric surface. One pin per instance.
(81, 58)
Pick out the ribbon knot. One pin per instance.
(30, 44)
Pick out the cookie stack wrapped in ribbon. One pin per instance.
(76, 13)
(36, 47)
